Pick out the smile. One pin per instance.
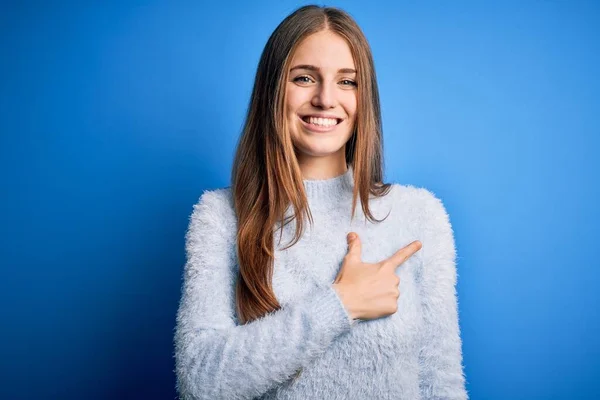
(320, 124)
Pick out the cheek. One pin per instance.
(294, 99)
(351, 104)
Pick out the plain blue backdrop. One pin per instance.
(114, 119)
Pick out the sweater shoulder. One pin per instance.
(423, 209)
(213, 213)
(420, 200)
(428, 214)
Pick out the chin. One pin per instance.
(319, 149)
(318, 144)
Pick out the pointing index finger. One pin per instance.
(403, 254)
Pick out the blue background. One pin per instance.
(115, 118)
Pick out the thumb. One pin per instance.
(354, 245)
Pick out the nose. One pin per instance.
(324, 96)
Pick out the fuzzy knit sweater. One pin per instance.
(412, 354)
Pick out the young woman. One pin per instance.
(359, 304)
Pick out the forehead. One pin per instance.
(326, 50)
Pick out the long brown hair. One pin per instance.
(266, 178)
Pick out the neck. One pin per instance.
(321, 168)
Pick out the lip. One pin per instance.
(320, 129)
(321, 115)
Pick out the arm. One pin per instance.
(440, 358)
(216, 358)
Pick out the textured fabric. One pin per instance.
(414, 353)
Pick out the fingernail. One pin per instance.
(351, 236)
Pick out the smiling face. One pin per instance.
(321, 100)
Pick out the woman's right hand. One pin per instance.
(370, 291)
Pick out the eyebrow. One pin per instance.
(314, 68)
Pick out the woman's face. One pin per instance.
(321, 97)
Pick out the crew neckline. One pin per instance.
(317, 189)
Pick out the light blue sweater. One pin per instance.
(412, 354)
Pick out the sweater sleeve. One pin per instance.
(441, 373)
(215, 358)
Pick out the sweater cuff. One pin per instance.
(328, 305)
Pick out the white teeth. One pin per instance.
(322, 121)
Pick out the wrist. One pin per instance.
(343, 295)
